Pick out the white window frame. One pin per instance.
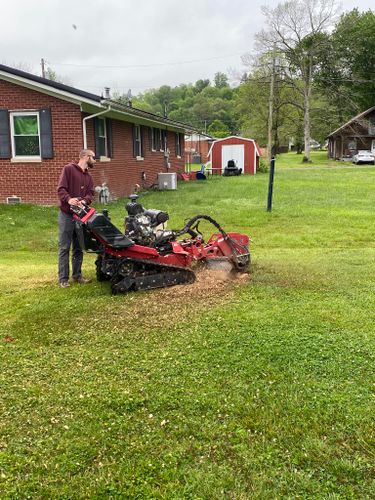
(105, 156)
(138, 140)
(24, 157)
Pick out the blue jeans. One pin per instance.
(68, 238)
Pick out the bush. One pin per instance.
(263, 166)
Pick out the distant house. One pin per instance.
(244, 152)
(358, 133)
(44, 125)
(197, 147)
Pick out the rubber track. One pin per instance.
(174, 275)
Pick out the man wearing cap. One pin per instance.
(75, 188)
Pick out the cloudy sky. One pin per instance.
(133, 44)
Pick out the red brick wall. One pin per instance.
(124, 171)
(36, 182)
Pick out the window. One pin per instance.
(163, 140)
(137, 141)
(101, 138)
(178, 145)
(371, 125)
(155, 139)
(158, 139)
(25, 136)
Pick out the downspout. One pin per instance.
(166, 153)
(89, 118)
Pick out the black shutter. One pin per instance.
(134, 143)
(150, 138)
(176, 137)
(96, 138)
(182, 145)
(5, 152)
(109, 138)
(46, 144)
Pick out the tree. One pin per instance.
(297, 29)
(218, 129)
(220, 80)
(347, 75)
(198, 105)
(52, 75)
(201, 84)
(252, 104)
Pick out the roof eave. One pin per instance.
(351, 121)
(47, 89)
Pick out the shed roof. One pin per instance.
(360, 115)
(88, 102)
(235, 137)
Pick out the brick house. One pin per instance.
(358, 133)
(197, 147)
(44, 125)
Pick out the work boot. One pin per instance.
(81, 280)
(64, 284)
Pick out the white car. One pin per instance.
(364, 157)
(314, 144)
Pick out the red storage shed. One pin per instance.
(244, 152)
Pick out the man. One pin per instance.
(75, 188)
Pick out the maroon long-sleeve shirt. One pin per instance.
(74, 183)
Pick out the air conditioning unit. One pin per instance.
(167, 180)
(13, 200)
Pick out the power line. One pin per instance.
(102, 66)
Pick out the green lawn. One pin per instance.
(255, 388)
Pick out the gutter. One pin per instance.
(107, 110)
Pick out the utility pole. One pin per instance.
(42, 63)
(270, 106)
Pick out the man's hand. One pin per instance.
(77, 202)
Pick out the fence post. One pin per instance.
(270, 185)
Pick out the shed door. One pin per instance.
(234, 152)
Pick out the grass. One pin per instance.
(252, 389)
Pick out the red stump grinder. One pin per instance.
(146, 256)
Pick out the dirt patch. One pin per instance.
(208, 285)
(161, 307)
(8, 338)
